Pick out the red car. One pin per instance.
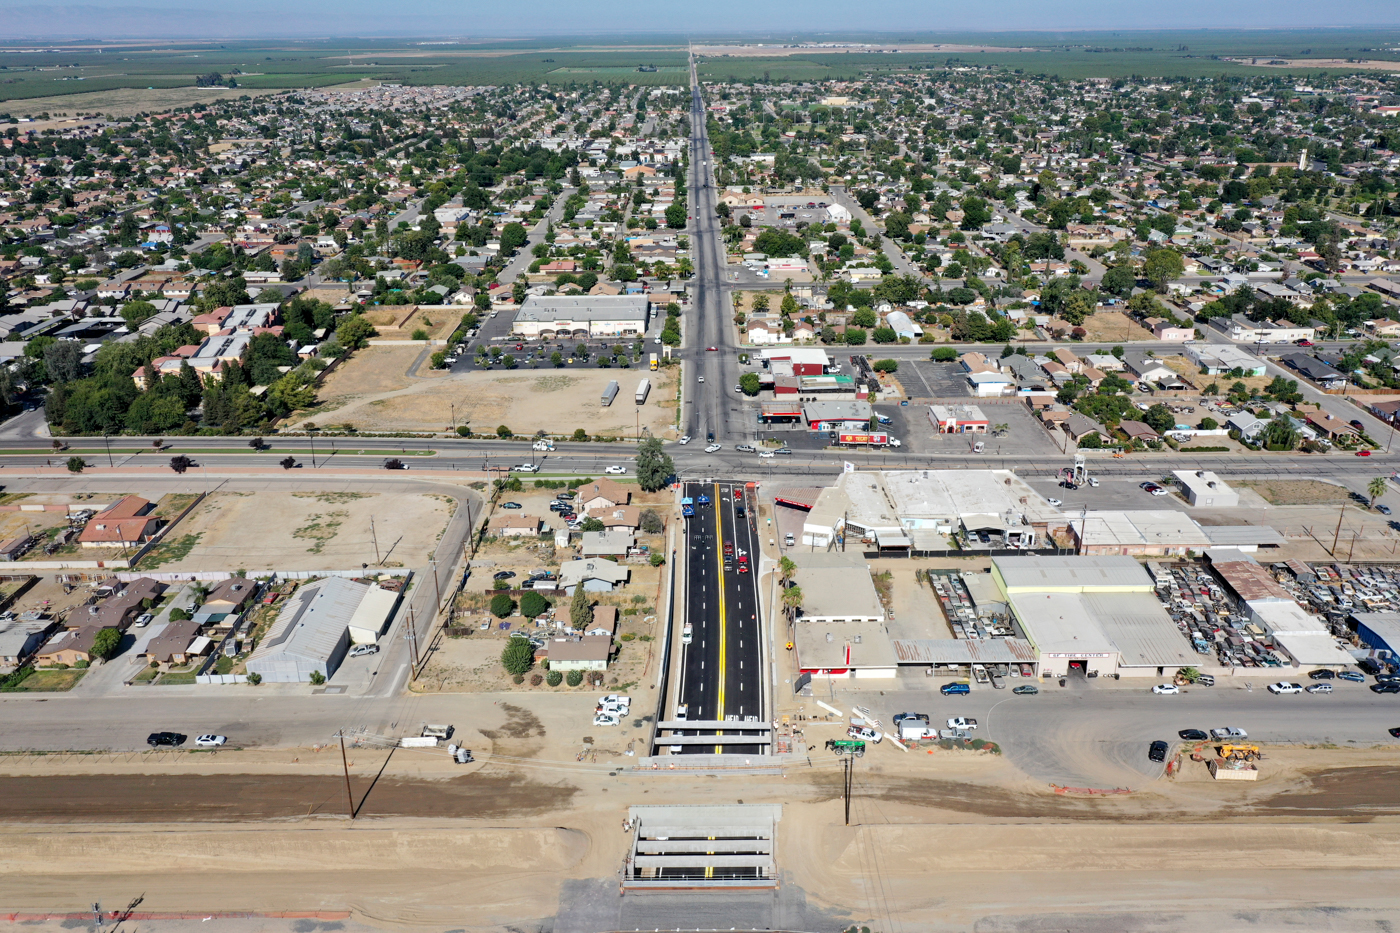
(743, 568)
(712, 349)
(1363, 453)
(1304, 342)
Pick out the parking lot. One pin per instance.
(927, 379)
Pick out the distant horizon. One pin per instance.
(117, 20)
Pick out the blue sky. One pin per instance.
(260, 18)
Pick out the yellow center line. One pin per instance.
(723, 628)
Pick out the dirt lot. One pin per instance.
(1296, 492)
(313, 531)
(1106, 327)
(372, 394)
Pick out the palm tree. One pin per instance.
(1000, 429)
(786, 568)
(792, 600)
(1376, 488)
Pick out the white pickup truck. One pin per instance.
(960, 722)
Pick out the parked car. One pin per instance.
(901, 717)
(954, 689)
(789, 540)
(511, 505)
(1383, 509)
(1351, 676)
(1228, 732)
(1394, 731)
(159, 739)
(1026, 690)
(1320, 688)
(1157, 751)
(503, 574)
(1166, 689)
(606, 719)
(1193, 735)
(1321, 674)
(866, 733)
(144, 620)
(1284, 686)
(1385, 688)
(961, 722)
(211, 741)
(685, 440)
(360, 651)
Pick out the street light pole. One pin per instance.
(106, 440)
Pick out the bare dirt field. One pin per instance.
(1330, 64)
(373, 395)
(780, 51)
(308, 530)
(1108, 326)
(129, 101)
(1296, 492)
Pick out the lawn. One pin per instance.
(52, 681)
(175, 678)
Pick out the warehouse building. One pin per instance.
(908, 511)
(1204, 488)
(840, 629)
(1379, 631)
(313, 631)
(1086, 615)
(1162, 532)
(582, 316)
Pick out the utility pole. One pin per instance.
(413, 634)
(106, 440)
(850, 762)
(375, 538)
(437, 586)
(349, 800)
(1341, 515)
(1352, 549)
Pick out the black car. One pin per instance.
(1385, 688)
(1321, 675)
(1193, 735)
(503, 575)
(158, 739)
(1369, 665)
(1157, 751)
(901, 717)
(1394, 731)
(564, 495)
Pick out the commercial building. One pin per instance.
(1204, 488)
(958, 419)
(916, 510)
(582, 316)
(313, 631)
(1162, 532)
(1379, 631)
(836, 416)
(1091, 615)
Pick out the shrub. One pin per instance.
(518, 679)
(317, 678)
(178, 615)
(463, 431)
(420, 334)
(575, 677)
(555, 678)
(533, 604)
(944, 355)
(536, 680)
(502, 605)
(503, 431)
(518, 657)
(254, 679)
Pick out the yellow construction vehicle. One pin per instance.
(1240, 752)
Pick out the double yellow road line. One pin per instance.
(723, 619)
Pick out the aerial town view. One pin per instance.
(1004, 535)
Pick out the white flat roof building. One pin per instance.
(1204, 488)
(582, 316)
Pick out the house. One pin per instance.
(1138, 431)
(121, 608)
(124, 523)
(604, 621)
(1328, 425)
(68, 646)
(512, 525)
(607, 543)
(21, 637)
(172, 645)
(602, 494)
(1314, 370)
(620, 518)
(1384, 327)
(1146, 368)
(229, 597)
(596, 574)
(1247, 424)
(1165, 331)
(974, 362)
(1079, 426)
(990, 384)
(1067, 359)
(579, 653)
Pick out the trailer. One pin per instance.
(867, 439)
(643, 390)
(610, 393)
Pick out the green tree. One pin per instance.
(885, 366)
(1279, 434)
(1376, 488)
(1119, 281)
(749, 383)
(136, 312)
(513, 236)
(76, 464)
(502, 605)
(943, 355)
(864, 317)
(580, 609)
(574, 678)
(651, 522)
(106, 643)
(675, 215)
(317, 678)
(592, 524)
(1159, 418)
(532, 604)
(855, 336)
(1209, 424)
(355, 332)
(654, 465)
(1161, 266)
(518, 656)
(554, 678)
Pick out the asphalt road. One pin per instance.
(1092, 731)
(720, 671)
